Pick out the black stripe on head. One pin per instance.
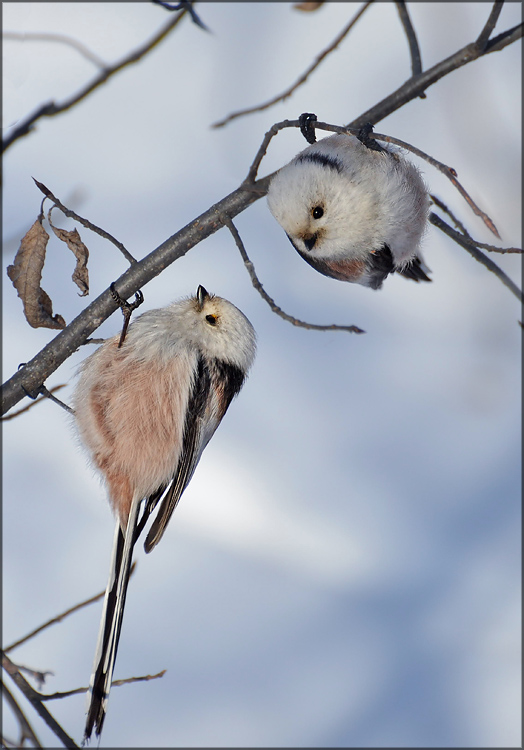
(326, 161)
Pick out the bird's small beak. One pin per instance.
(201, 295)
(309, 240)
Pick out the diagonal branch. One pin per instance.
(26, 730)
(270, 301)
(61, 616)
(485, 34)
(50, 109)
(302, 79)
(416, 60)
(468, 244)
(416, 85)
(34, 699)
(30, 36)
(85, 222)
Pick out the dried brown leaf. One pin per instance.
(308, 6)
(74, 243)
(26, 274)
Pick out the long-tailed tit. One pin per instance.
(353, 212)
(145, 412)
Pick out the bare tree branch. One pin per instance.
(485, 34)
(468, 244)
(271, 302)
(76, 333)
(62, 616)
(30, 36)
(303, 78)
(416, 85)
(115, 683)
(26, 730)
(416, 60)
(29, 406)
(51, 108)
(449, 172)
(85, 222)
(460, 226)
(35, 700)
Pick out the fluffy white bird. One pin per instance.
(145, 412)
(353, 212)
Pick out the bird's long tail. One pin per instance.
(110, 624)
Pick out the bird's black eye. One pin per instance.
(211, 319)
(317, 212)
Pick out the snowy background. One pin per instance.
(344, 569)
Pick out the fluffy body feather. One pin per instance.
(145, 412)
(352, 212)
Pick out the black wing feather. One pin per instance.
(413, 270)
(189, 457)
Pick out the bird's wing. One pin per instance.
(215, 385)
(197, 433)
(415, 270)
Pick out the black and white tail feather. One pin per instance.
(110, 625)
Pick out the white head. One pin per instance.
(211, 324)
(352, 213)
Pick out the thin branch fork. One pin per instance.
(417, 84)
(35, 700)
(51, 108)
(26, 730)
(302, 79)
(270, 301)
(416, 59)
(468, 244)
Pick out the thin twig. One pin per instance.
(414, 51)
(51, 108)
(273, 130)
(303, 78)
(31, 36)
(33, 403)
(85, 222)
(440, 204)
(61, 616)
(26, 730)
(412, 88)
(449, 172)
(115, 683)
(38, 676)
(271, 302)
(460, 226)
(35, 700)
(468, 244)
(485, 34)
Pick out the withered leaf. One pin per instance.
(308, 5)
(26, 274)
(74, 243)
